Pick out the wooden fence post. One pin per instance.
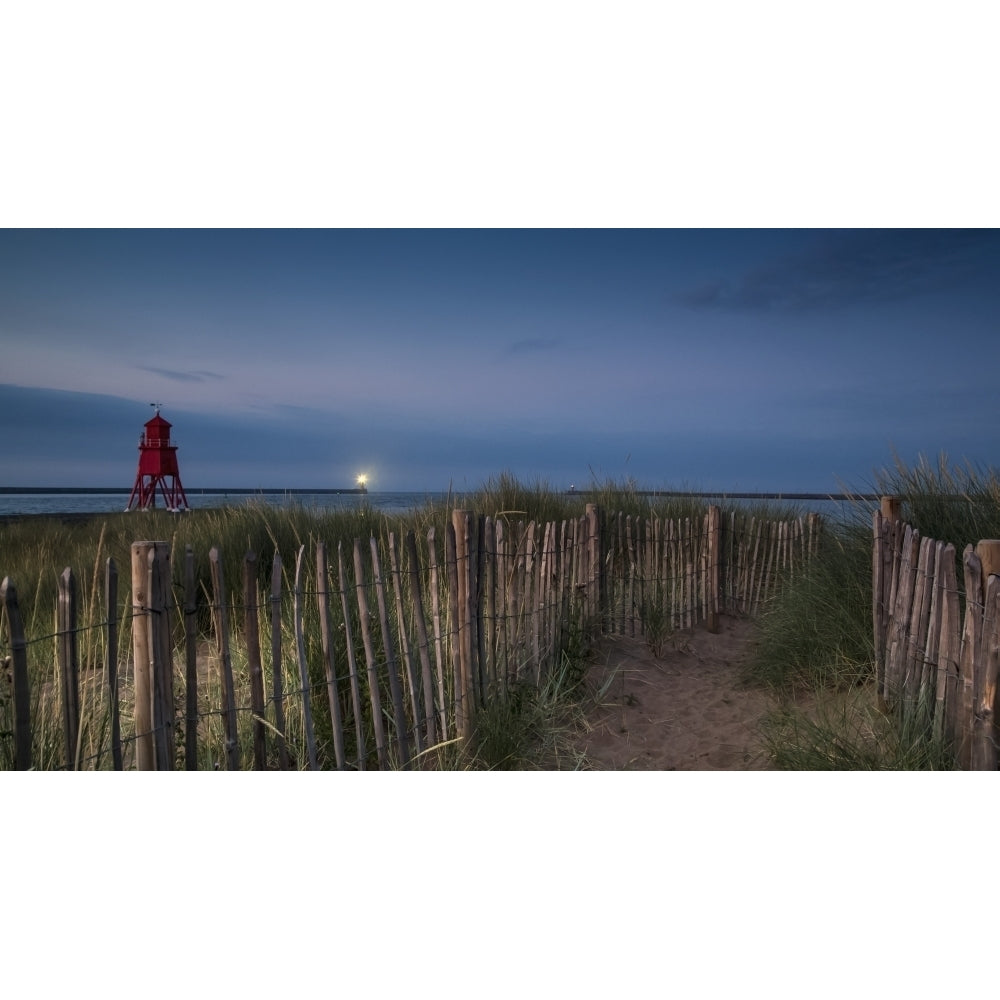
(423, 641)
(930, 651)
(69, 667)
(395, 686)
(950, 648)
(892, 508)
(364, 619)
(251, 625)
(878, 605)
(912, 660)
(462, 627)
(22, 697)
(326, 638)
(900, 609)
(985, 731)
(142, 676)
(593, 580)
(222, 636)
(972, 632)
(361, 751)
(405, 648)
(300, 651)
(111, 600)
(463, 723)
(714, 545)
(190, 663)
(988, 551)
(489, 629)
(161, 656)
(477, 559)
(277, 683)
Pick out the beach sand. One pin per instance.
(683, 709)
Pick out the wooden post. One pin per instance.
(190, 663)
(352, 664)
(912, 662)
(878, 607)
(546, 599)
(477, 556)
(438, 639)
(277, 683)
(505, 624)
(410, 674)
(417, 598)
(143, 678)
(594, 597)
(515, 593)
(111, 600)
(395, 687)
(972, 632)
(564, 594)
(714, 566)
(932, 646)
(987, 733)
(470, 613)
(490, 601)
(530, 616)
(22, 697)
(326, 638)
(364, 618)
(892, 508)
(464, 703)
(161, 656)
(898, 639)
(222, 637)
(69, 667)
(251, 627)
(630, 587)
(300, 651)
(950, 648)
(463, 726)
(984, 731)
(988, 551)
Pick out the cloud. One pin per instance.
(846, 269)
(532, 345)
(176, 376)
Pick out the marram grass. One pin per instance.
(34, 552)
(815, 640)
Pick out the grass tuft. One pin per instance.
(818, 633)
(847, 732)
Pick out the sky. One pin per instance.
(699, 358)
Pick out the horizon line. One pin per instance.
(277, 491)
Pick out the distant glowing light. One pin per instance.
(362, 480)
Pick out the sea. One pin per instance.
(71, 501)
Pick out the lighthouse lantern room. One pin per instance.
(157, 468)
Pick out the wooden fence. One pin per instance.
(682, 572)
(390, 650)
(933, 659)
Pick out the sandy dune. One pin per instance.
(681, 710)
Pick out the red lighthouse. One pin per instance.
(157, 467)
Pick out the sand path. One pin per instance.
(683, 709)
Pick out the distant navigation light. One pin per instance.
(362, 482)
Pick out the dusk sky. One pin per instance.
(708, 359)
(671, 352)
